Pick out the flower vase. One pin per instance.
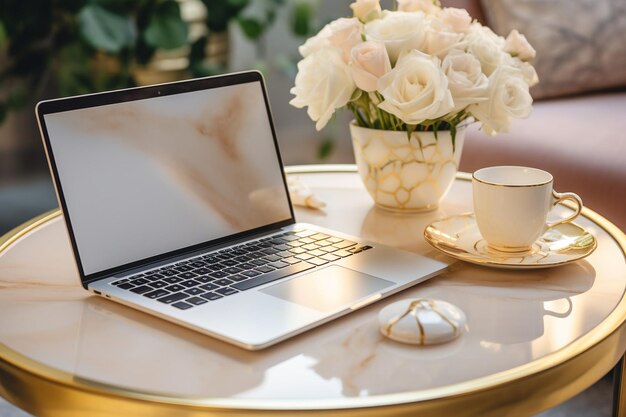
(407, 174)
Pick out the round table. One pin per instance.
(534, 338)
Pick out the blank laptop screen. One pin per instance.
(147, 177)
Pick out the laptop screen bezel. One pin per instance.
(44, 108)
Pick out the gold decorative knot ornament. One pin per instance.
(421, 321)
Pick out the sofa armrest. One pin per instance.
(581, 141)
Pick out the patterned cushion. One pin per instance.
(581, 44)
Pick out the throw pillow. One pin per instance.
(580, 43)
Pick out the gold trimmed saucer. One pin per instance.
(459, 237)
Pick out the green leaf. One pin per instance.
(198, 51)
(122, 7)
(326, 148)
(453, 137)
(203, 69)
(105, 30)
(237, 3)
(143, 52)
(3, 36)
(221, 12)
(257, 17)
(17, 99)
(166, 29)
(301, 19)
(3, 112)
(251, 28)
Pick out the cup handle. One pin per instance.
(558, 197)
(563, 315)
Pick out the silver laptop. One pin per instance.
(176, 204)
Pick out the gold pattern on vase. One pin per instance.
(402, 174)
(459, 237)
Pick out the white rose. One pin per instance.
(457, 20)
(518, 46)
(466, 81)
(345, 34)
(315, 43)
(416, 89)
(528, 71)
(323, 84)
(486, 46)
(366, 10)
(399, 31)
(369, 61)
(426, 6)
(342, 33)
(440, 38)
(508, 98)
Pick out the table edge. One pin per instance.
(591, 351)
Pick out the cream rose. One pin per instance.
(342, 33)
(399, 31)
(508, 98)
(416, 89)
(369, 61)
(366, 10)
(457, 20)
(317, 42)
(345, 34)
(518, 46)
(528, 71)
(426, 6)
(486, 46)
(440, 38)
(323, 84)
(466, 81)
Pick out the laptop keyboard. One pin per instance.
(206, 278)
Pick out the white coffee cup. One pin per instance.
(512, 203)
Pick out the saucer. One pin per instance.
(459, 237)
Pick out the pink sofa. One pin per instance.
(580, 140)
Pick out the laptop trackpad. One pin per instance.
(329, 288)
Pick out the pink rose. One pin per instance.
(456, 19)
(426, 6)
(369, 61)
(518, 46)
(345, 34)
(366, 10)
(342, 33)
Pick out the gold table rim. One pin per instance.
(607, 328)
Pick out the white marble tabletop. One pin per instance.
(514, 318)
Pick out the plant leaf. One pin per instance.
(17, 98)
(301, 19)
(221, 12)
(3, 112)
(453, 137)
(105, 30)
(237, 3)
(166, 29)
(326, 148)
(3, 35)
(251, 27)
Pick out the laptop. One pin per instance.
(176, 204)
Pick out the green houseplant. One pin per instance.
(84, 46)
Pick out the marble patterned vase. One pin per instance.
(407, 175)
